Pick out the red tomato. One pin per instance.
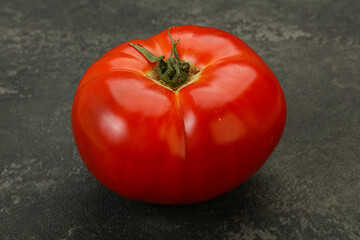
(149, 143)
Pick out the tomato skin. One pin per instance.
(148, 143)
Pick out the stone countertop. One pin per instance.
(308, 189)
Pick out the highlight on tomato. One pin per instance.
(179, 118)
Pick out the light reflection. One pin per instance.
(114, 127)
(228, 128)
(227, 84)
(133, 95)
(202, 49)
(189, 122)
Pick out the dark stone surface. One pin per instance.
(308, 189)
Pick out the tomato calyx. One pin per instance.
(173, 72)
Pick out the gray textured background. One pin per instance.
(308, 189)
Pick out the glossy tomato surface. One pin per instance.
(148, 143)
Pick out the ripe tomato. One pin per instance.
(150, 141)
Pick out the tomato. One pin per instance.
(154, 142)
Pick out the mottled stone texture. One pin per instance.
(308, 189)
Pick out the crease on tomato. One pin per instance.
(181, 118)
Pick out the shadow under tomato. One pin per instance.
(102, 213)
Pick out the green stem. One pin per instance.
(173, 72)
